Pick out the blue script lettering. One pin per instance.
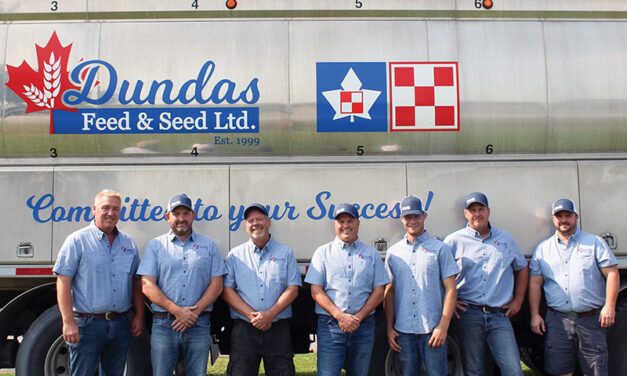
(275, 212)
(85, 75)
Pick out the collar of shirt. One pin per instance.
(419, 240)
(172, 237)
(475, 234)
(573, 237)
(98, 232)
(254, 249)
(342, 245)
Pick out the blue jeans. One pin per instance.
(102, 343)
(475, 329)
(336, 347)
(165, 342)
(415, 350)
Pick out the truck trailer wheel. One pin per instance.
(393, 365)
(43, 352)
(40, 343)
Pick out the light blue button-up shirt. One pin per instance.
(260, 276)
(183, 269)
(573, 280)
(487, 265)
(347, 274)
(102, 275)
(417, 271)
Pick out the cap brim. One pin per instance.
(408, 212)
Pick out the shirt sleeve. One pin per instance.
(316, 272)
(69, 257)
(217, 264)
(229, 278)
(448, 266)
(380, 275)
(534, 264)
(387, 266)
(148, 265)
(293, 275)
(603, 254)
(519, 262)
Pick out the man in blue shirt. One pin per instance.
(347, 280)
(261, 283)
(182, 276)
(420, 301)
(491, 287)
(96, 286)
(580, 277)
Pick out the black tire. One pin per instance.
(43, 349)
(41, 335)
(617, 341)
(454, 357)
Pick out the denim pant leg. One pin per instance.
(434, 358)
(164, 347)
(196, 343)
(278, 356)
(360, 344)
(332, 344)
(502, 343)
(84, 355)
(471, 332)
(113, 357)
(245, 355)
(409, 356)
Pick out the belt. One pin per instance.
(486, 309)
(576, 315)
(168, 316)
(106, 315)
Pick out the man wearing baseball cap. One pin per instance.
(347, 280)
(491, 287)
(182, 276)
(261, 283)
(580, 278)
(420, 301)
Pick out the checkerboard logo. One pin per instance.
(351, 97)
(424, 96)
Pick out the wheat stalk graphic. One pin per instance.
(52, 84)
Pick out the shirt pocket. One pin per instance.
(364, 271)
(277, 272)
(123, 264)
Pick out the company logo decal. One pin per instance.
(96, 82)
(351, 97)
(423, 96)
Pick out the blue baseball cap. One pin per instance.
(476, 197)
(564, 204)
(255, 206)
(411, 205)
(180, 200)
(345, 208)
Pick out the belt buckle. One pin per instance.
(109, 315)
(486, 309)
(571, 315)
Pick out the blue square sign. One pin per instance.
(351, 97)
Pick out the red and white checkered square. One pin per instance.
(424, 96)
(351, 102)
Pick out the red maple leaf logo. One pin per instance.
(42, 90)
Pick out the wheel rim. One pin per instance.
(57, 359)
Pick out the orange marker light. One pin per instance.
(231, 4)
(487, 4)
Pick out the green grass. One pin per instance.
(305, 366)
